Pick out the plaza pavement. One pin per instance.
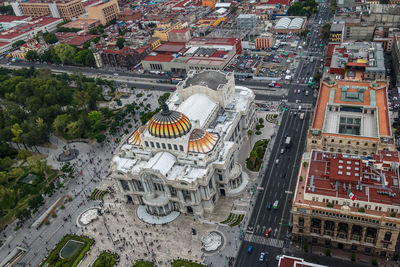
(39, 242)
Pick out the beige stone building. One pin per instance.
(65, 9)
(186, 156)
(162, 30)
(348, 202)
(351, 117)
(103, 11)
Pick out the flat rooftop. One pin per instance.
(350, 99)
(211, 79)
(371, 179)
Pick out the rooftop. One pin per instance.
(352, 98)
(289, 261)
(370, 179)
(210, 79)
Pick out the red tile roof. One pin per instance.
(159, 57)
(24, 27)
(173, 47)
(326, 178)
(5, 18)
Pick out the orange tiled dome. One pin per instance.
(169, 124)
(135, 137)
(201, 141)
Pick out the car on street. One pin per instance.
(282, 150)
(276, 203)
(267, 233)
(116, 74)
(277, 161)
(269, 205)
(172, 88)
(262, 256)
(250, 249)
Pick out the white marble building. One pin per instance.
(185, 157)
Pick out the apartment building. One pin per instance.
(349, 202)
(163, 30)
(104, 11)
(66, 9)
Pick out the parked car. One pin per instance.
(262, 256)
(250, 249)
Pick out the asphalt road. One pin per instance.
(278, 184)
(280, 178)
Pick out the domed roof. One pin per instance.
(169, 124)
(135, 137)
(201, 141)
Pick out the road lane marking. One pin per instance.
(291, 177)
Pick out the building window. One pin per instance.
(175, 147)
(181, 147)
(301, 221)
(146, 143)
(333, 140)
(388, 236)
(158, 145)
(366, 144)
(169, 147)
(348, 142)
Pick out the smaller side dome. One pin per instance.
(135, 137)
(201, 141)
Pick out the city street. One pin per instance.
(278, 184)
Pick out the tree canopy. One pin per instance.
(305, 8)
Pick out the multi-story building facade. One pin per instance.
(351, 117)
(396, 57)
(336, 33)
(162, 30)
(197, 54)
(348, 202)
(186, 156)
(247, 21)
(66, 9)
(209, 3)
(345, 60)
(104, 11)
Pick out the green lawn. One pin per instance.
(143, 264)
(105, 259)
(53, 259)
(186, 263)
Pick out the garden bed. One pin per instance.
(97, 194)
(54, 259)
(105, 259)
(254, 161)
(233, 219)
(186, 263)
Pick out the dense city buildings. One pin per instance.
(347, 60)
(104, 11)
(186, 156)
(197, 54)
(66, 9)
(396, 58)
(351, 117)
(348, 202)
(15, 28)
(247, 21)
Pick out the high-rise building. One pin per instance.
(66, 9)
(104, 11)
(348, 202)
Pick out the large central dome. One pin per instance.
(169, 124)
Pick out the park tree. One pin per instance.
(18, 44)
(31, 55)
(65, 52)
(120, 42)
(60, 124)
(17, 132)
(50, 38)
(325, 31)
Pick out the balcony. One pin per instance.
(155, 199)
(355, 237)
(328, 233)
(370, 240)
(342, 236)
(315, 230)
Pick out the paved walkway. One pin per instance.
(151, 219)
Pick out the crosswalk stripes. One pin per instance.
(272, 242)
